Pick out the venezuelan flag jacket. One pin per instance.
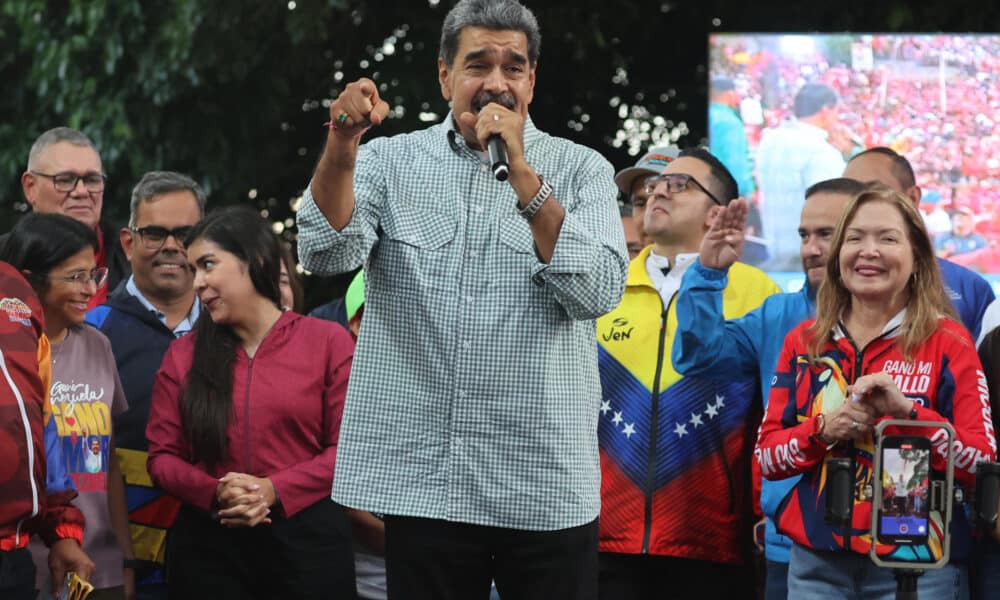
(675, 477)
(945, 380)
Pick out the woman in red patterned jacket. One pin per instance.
(885, 336)
(27, 505)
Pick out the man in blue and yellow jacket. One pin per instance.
(675, 451)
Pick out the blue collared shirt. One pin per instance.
(474, 392)
(186, 325)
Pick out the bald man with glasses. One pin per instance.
(65, 176)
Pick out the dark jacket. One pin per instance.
(118, 266)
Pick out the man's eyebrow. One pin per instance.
(509, 54)
(515, 56)
(476, 54)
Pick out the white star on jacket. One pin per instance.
(711, 411)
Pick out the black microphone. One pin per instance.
(497, 149)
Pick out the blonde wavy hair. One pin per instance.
(927, 301)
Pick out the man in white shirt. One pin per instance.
(792, 157)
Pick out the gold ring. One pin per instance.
(342, 118)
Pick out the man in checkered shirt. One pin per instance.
(471, 416)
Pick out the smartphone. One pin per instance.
(904, 513)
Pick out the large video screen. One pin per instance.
(935, 99)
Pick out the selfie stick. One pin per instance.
(906, 572)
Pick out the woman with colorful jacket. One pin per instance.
(885, 344)
(57, 256)
(243, 430)
(36, 492)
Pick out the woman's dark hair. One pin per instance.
(207, 399)
(294, 279)
(39, 242)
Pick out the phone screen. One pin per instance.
(905, 510)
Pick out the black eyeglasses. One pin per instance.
(99, 276)
(66, 182)
(677, 183)
(154, 236)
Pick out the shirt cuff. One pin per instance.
(573, 253)
(70, 531)
(710, 273)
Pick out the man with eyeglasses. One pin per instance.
(142, 316)
(675, 487)
(65, 176)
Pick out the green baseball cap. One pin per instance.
(354, 299)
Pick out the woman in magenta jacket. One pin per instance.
(243, 430)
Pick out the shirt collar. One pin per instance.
(639, 267)
(662, 262)
(892, 329)
(813, 130)
(186, 324)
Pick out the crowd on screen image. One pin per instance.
(954, 147)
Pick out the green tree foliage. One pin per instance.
(210, 88)
(232, 92)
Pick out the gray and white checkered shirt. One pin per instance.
(474, 393)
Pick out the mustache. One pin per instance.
(504, 99)
(811, 263)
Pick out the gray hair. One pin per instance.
(156, 183)
(55, 136)
(497, 15)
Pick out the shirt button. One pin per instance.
(461, 393)
(479, 210)
(473, 254)
(467, 345)
(468, 299)
(484, 169)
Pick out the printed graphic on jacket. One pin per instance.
(688, 455)
(83, 420)
(944, 378)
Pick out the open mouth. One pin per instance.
(170, 267)
(868, 270)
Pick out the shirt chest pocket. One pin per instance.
(417, 250)
(515, 257)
